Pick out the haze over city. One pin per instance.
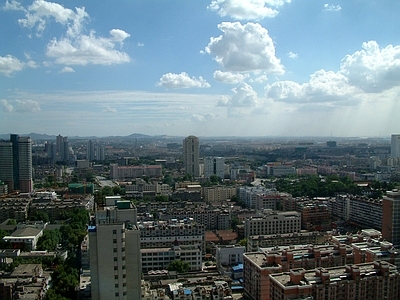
(208, 68)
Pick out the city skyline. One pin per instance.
(204, 68)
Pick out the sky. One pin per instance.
(207, 67)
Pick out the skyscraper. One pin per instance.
(16, 163)
(90, 151)
(395, 145)
(25, 164)
(6, 164)
(191, 155)
(391, 217)
(114, 251)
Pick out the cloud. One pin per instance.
(331, 7)
(27, 106)
(67, 70)
(86, 49)
(10, 64)
(119, 35)
(75, 47)
(7, 107)
(292, 55)
(40, 12)
(229, 77)
(324, 87)
(182, 81)
(13, 5)
(109, 109)
(244, 48)
(247, 10)
(243, 96)
(140, 45)
(204, 117)
(373, 69)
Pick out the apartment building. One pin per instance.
(361, 211)
(314, 216)
(377, 280)
(270, 199)
(160, 258)
(14, 208)
(114, 251)
(391, 217)
(218, 193)
(164, 234)
(141, 188)
(256, 271)
(132, 172)
(273, 222)
(255, 242)
(212, 218)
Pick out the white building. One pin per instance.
(214, 166)
(229, 255)
(114, 250)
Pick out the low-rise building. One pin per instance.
(377, 280)
(255, 242)
(273, 222)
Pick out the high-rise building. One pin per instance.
(25, 164)
(6, 164)
(64, 149)
(114, 251)
(16, 163)
(191, 155)
(214, 166)
(58, 142)
(395, 145)
(391, 217)
(90, 151)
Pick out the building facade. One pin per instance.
(16, 163)
(391, 217)
(395, 145)
(377, 280)
(191, 150)
(114, 251)
(214, 166)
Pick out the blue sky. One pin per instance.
(209, 68)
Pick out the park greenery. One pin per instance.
(329, 186)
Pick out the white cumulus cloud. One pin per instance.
(373, 69)
(86, 49)
(6, 106)
(24, 106)
(244, 48)
(243, 96)
(67, 70)
(229, 77)
(75, 47)
(10, 64)
(247, 10)
(182, 81)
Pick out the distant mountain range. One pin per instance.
(38, 136)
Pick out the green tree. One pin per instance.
(49, 240)
(12, 222)
(179, 266)
(243, 242)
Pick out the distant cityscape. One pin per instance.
(162, 217)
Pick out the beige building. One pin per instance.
(273, 222)
(114, 251)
